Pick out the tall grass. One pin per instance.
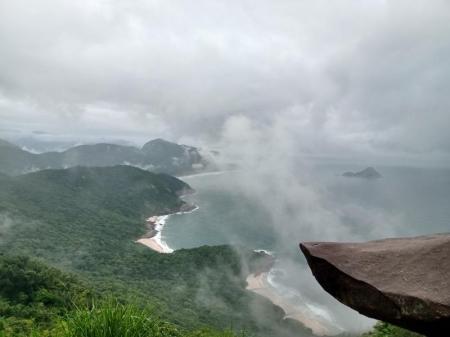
(112, 319)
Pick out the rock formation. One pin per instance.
(403, 281)
(367, 173)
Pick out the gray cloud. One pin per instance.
(355, 78)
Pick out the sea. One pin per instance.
(264, 212)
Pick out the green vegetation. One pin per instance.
(115, 319)
(36, 300)
(86, 221)
(112, 319)
(32, 295)
(387, 330)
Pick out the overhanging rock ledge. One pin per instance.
(404, 281)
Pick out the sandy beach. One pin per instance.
(155, 224)
(152, 244)
(153, 237)
(256, 283)
(259, 284)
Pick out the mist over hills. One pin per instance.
(86, 221)
(157, 155)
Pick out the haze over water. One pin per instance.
(405, 202)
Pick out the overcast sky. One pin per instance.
(340, 78)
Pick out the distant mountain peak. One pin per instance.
(158, 141)
(162, 144)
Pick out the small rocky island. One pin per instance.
(404, 281)
(367, 173)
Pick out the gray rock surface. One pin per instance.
(404, 281)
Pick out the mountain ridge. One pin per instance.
(157, 155)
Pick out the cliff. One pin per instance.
(403, 281)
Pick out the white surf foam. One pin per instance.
(268, 252)
(159, 227)
(195, 175)
(297, 300)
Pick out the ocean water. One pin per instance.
(405, 202)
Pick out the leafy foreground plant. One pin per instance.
(113, 319)
(387, 330)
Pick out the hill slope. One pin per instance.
(58, 211)
(32, 295)
(86, 220)
(37, 300)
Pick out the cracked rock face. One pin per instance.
(404, 281)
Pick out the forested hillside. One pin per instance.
(86, 221)
(36, 300)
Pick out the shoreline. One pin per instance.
(155, 224)
(201, 174)
(259, 284)
(256, 282)
(152, 239)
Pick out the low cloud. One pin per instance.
(6, 223)
(365, 77)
